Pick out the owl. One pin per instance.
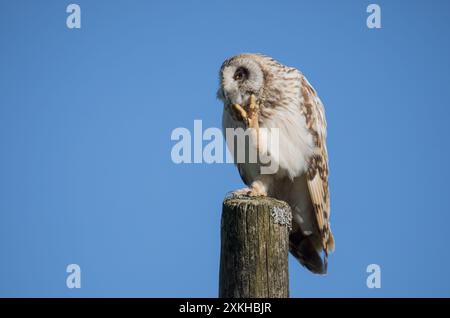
(259, 92)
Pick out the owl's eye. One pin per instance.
(240, 74)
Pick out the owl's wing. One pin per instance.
(317, 173)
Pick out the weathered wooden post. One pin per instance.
(254, 248)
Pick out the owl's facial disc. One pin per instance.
(240, 78)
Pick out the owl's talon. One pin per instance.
(253, 118)
(253, 191)
(249, 116)
(244, 191)
(253, 113)
(241, 111)
(252, 105)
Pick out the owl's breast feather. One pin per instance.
(295, 143)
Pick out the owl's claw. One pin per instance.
(249, 116)
(249, 192)
(252, 114)
(253, 118)
(241, 111)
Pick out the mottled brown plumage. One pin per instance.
(289, 103)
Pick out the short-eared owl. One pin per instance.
(259, 92)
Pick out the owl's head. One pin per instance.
(240, 76)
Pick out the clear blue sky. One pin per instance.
(86, 115)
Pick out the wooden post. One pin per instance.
(254, 248)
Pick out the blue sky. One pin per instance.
(86, 116)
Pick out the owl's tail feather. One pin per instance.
(303, 249)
